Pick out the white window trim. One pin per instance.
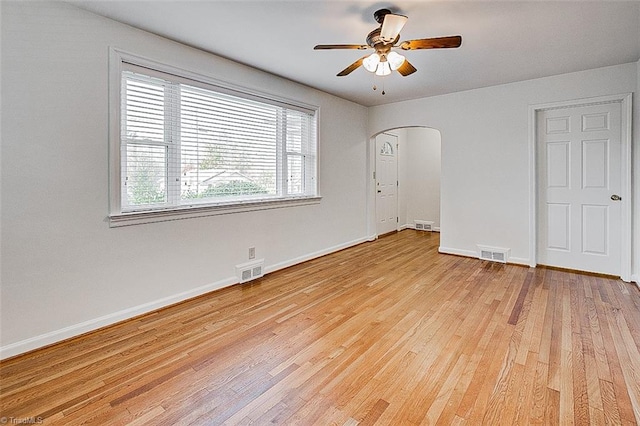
(118, 218)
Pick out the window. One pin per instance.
(386, 149)
(187, 144)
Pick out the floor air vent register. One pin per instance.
(423, 225)
(250, 271)
(493, 254)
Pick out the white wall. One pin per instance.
(64, 271)
(485, 162)
(423, 175)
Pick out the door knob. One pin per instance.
(616, 197)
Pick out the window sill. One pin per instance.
(189, 212)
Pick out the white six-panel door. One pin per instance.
(579, 183)
(386, 183)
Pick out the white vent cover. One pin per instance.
(423, 225)
(494, 254)
(250, 271)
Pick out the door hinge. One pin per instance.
(374, 174)
(397, 220)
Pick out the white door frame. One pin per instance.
(625, 100)
(376, 171)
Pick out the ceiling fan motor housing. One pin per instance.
(375, 40)
(379, 15)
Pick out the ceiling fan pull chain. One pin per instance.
(375, 86)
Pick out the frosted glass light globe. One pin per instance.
(371, 62)
(395, 60)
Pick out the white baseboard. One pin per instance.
(75, 330)
(636, 279)
(457, 252)
(519, 261)
(474, 254)
(316, 254)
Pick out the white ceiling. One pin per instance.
(503, 41)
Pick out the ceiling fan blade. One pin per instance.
(348, 70)
(406, 68)
(341, 46)
(391, 27)
(432, 43)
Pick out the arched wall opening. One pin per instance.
(419, 170)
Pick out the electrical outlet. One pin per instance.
(252, 252)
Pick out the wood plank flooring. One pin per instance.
(388, 332)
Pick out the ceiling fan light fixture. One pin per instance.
(385, 38)
(395, 60)
(383, 69)
(371, 62)
(391, 27)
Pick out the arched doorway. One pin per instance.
(418, 157)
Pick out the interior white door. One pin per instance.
(386, 183)
(579, 183)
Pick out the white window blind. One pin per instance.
(185, 144)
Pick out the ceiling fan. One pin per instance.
(385, 60)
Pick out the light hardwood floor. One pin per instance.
(388, 332)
